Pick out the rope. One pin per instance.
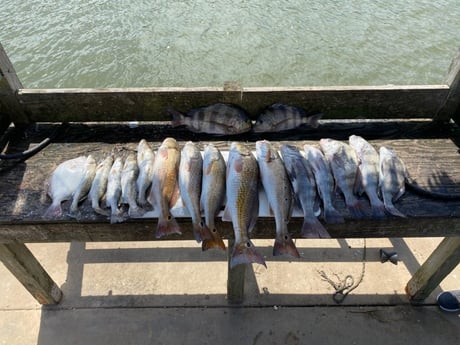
(344, 286)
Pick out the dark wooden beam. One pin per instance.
(451, 105)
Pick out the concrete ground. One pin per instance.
(172, 293)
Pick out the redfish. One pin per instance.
(242, 206)
(165, 187)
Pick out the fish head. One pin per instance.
(236, 125)
(264, 123)
(265, 151)
(170, 143)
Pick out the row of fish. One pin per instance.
(206, 182)
(229, 119)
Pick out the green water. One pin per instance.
(135, 43)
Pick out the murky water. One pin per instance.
(138, 43)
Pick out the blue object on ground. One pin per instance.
(449, 300)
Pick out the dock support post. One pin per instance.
(235, 279)
(25, 267)
(9, 85)
(451, 106)
(438, 265)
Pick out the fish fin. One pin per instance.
(312, 228)
(178, 119)
(394, 211)
(226, 216)
(246, 253)
(332, 216)
(101, 211)
(400, 193)
(285, 245)
(53, 211)
(134, 212)
(358, 210)
(201, 232)
(313, 120)
(215, 241)
(167, 226)
(117, 218)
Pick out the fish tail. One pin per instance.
(378, 210)
(117, 216)
(312, 228)
(245, 253)
(394, 211)
(178, 119)
(332, 216)
(215, 241)
(135, 211)
(100, 211)
(167, 226)
(285, 245)
(54, 211)
(313, 120)
(357, 209)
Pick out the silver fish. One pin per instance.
(63, 183)
(129, 176)
(165, 187)
(304, 186)
(368, 169)
(145, 159)
(113, 194)
(279, 194)
(242, 206)
(392, 179)
(99, 186)
(281, 117)
(212, 193)
(344, 165)
(219, 118)
(324, 182)
(84, 185)
(190, 177)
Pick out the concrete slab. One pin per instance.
(171, 292)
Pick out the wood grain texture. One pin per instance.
(23, 265)
(433, 163)
(438, 265)
(150, 104)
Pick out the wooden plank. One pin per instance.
(433, 163)
(25, 267)
(451, 105)
(439, 264)
(9, 84)
(235, 279)
(150, 104)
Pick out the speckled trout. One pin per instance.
(99, 186)
(190, 176)
(212, 193)
(242, 206)
(165, 187)
(145, 159)
(279, 194)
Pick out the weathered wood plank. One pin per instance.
(438, 265)
(433, 163)
(150, 104)
(451, 105)
(9, 84)
(25, 267)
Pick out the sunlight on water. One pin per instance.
(139, 43)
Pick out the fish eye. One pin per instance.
(248, 244)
